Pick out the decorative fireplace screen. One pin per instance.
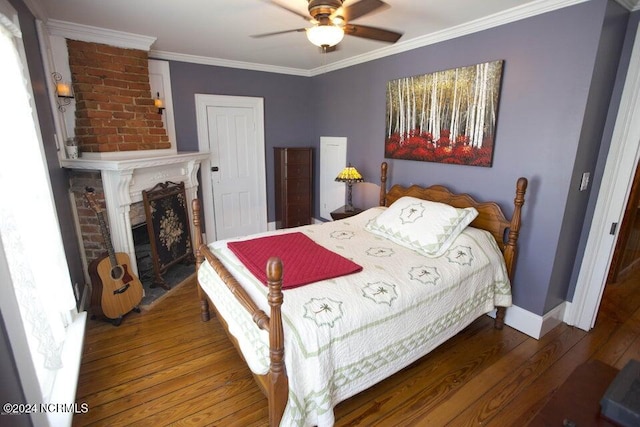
(167, 219)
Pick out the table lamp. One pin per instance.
(349, 175)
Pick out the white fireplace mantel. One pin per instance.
(124, 180)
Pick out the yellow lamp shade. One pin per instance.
(349, 174)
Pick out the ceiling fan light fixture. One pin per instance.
(325, 35)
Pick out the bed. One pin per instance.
(325, 341)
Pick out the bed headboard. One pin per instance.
(490, 216)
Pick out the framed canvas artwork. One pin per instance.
(446, 117)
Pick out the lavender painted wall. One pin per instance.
(549, 64)
(287, 107)
(625, 57)
(591, 138)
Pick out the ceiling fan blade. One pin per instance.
(361, 8)
(372, 33)
(281, 6)
(275, 33)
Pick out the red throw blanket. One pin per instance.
(303, 260)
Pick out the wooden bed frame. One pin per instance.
(275, 384)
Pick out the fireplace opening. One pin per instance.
(173, 276)
(142, 245)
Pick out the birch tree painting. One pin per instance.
(446, 117)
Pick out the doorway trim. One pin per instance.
(620, 167)
(203, 101)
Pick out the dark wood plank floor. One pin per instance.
(166, 367)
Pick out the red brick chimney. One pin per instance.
(114, 106)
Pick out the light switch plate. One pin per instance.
(585, 181)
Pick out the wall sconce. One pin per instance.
(64, 91)
(159, 103)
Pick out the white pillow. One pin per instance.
(427, 227)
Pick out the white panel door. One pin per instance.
(333, 158)
(235, 191)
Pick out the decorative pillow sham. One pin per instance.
(427, 227)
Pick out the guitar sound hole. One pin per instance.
(117, 272)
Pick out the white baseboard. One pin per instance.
(85, 298)
(271, 226)
(553, 318)
(532, 324)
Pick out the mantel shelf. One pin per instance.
(132, 163)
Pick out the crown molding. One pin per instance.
(87, 33)
(205, 60)
(36, 8)
(632, 5)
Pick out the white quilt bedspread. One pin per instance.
(343, 335)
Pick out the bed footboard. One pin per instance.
(275, 384)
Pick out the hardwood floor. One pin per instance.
(166, 367)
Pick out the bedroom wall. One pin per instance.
(625, 57)
(592, 136)
(287, 107)
(549, 66)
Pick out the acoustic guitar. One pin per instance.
(116, 291)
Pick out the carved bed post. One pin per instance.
(383, 184)
(204, 303)
(511, 248)
(278, 383)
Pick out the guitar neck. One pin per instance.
(107, 238)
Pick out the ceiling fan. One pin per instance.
(330, 21)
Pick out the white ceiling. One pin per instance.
(218, 31)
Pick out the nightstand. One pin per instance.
(341, 213)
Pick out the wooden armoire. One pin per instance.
(294, 186)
